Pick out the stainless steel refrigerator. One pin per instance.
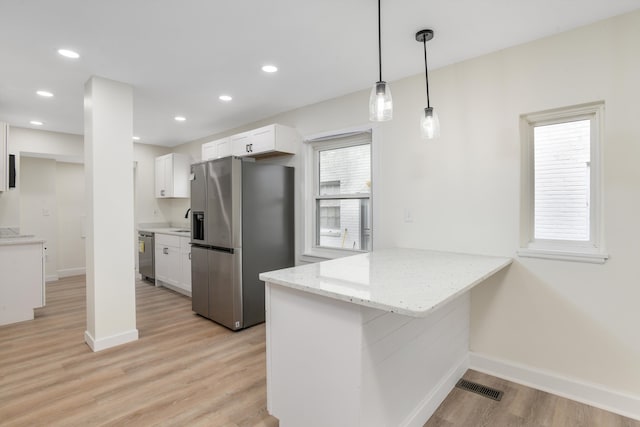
(242, 225)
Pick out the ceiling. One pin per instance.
(179, 56)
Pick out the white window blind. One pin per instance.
(562, 181)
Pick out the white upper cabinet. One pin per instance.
(216, 149)
(268, 140)
(4, 157)
(172, 175)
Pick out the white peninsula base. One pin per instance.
(339, 354)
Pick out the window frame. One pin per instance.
(314, 144)
(591, 251)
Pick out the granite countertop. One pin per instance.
(406, 281)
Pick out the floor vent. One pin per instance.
(480, 389)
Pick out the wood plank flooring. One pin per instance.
(520, 407)
(184, 370)
(187, 371)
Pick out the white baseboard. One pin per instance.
(68, 272)
(430, 403)
(591, 394)
(51, 278)
(112, 341)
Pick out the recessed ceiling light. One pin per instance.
(180, 118)
(69, 53)
(269, 68)
(225, 98)
(44, 93)
(36, 122)
(136, 138)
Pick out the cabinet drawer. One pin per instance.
(167, 240)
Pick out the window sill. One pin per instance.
(592, 258)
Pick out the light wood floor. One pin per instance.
(183, 371)
(187, 371)
(520, 407)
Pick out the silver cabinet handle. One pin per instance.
(189, 256)
(165, 251)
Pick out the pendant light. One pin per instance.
(429, 123)
(380, 103)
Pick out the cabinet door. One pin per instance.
(161, 264)
(161, 184)
(185, 256)
(185, 281)
(209, 151)
(223, 148)
(241, 144)
(174, 273)
(263, 139)
(168, 264)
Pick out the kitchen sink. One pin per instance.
(182, 231)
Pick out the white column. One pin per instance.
(108, 152)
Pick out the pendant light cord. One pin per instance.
(379, 45)
(426, 70)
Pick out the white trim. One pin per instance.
(69, 272)
(51, 278)
(311, 253)
(430, 403)
(596, 395)
(592, 258)
(592, 251)
(342, 133)
(112, 341)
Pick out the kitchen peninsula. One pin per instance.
(376, 339)
(22, 285)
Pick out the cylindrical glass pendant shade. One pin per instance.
(380, 103)
(429, 124)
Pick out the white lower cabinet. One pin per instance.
(173, 262)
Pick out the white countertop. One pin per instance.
(168, 230)
(405, 281)
(19, 240)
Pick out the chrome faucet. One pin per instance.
(187, 214)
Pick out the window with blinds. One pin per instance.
(561, 177)
(341, 192)
(562, 157)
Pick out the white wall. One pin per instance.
(463, 190)
(70, 190)
(38, 204)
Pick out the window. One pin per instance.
(561, 199)
(339, 185)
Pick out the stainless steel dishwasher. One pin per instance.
(146, 258)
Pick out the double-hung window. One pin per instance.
(561, 177)
(339, 208)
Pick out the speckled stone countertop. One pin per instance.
(12, 236)
(406, 281)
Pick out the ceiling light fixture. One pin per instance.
(380, 103)
(269, 68)
(36, 122)
(180, 118)
(44, 93)
(69, 53)
(429, 123)
(225, 98)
